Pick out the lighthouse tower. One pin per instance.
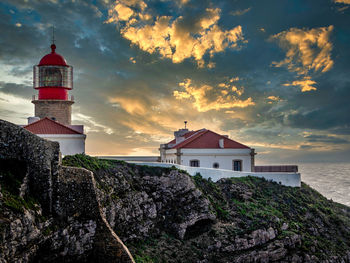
(53, 78)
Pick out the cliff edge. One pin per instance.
(90, 210)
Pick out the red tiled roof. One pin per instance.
(206, 139)
(186, 135)
(48, 126)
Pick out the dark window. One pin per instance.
(237, 165)
(215, 165)
(194, 163)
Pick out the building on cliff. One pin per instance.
(205, 148)
(53, 78)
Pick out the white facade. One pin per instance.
(210, 158)
(70, 144)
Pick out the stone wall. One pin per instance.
(41, 157)
(75, 229)
(61, 110)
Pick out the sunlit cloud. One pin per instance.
(306, 50)
(168, 36)
(206, 97)
(306, 84)
(342, 1)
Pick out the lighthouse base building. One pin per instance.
(53, 78)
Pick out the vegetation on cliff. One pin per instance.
(165, 215)
(255, 220)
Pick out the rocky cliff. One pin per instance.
(90, 210)
(165, 215)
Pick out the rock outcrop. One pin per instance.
(160, 214)
(48, 212)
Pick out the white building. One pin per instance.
(205, 148)
(71, 138)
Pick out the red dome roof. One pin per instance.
(53, 58)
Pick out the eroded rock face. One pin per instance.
(139, 206)
(48, 212)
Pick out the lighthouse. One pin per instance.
(53, 79)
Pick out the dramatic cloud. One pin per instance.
(305, 84)
(127, 71)
(307, 52)
(172, 37)
(342, 1)
(206, 97)
(306, 49)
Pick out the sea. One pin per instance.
(330, 179)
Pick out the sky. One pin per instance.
(272, 74)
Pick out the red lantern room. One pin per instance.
(53, 77)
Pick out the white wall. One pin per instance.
(287, 179)
(207, 157)
(69, 143)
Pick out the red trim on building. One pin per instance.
(48, 126)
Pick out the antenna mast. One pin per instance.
(53, 34)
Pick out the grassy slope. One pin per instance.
(251, 203)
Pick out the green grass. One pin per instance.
(91, 163)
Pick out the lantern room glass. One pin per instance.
(53, 76)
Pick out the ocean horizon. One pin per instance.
(330, 179)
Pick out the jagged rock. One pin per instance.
(135, 215)
(71, 228)
(162, 214)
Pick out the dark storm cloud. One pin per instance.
(138, 97)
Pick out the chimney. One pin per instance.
(179, 135)
(221, 143)
(32, 119)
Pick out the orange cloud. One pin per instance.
(306, 84)
(342, 1)
(205, 97)
(167, 35)
(306, 50)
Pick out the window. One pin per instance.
(215, 165)
(237, 165)
(194, 163)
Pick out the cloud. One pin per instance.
(240, 12)
(306, 50)
(305, 84)
(206, 97)
(176, 38)
(342, 2)
(325, 139)
(273, 98)
(91, 125)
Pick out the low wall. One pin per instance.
(276, 169)
(132, 158)
(287, 179)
